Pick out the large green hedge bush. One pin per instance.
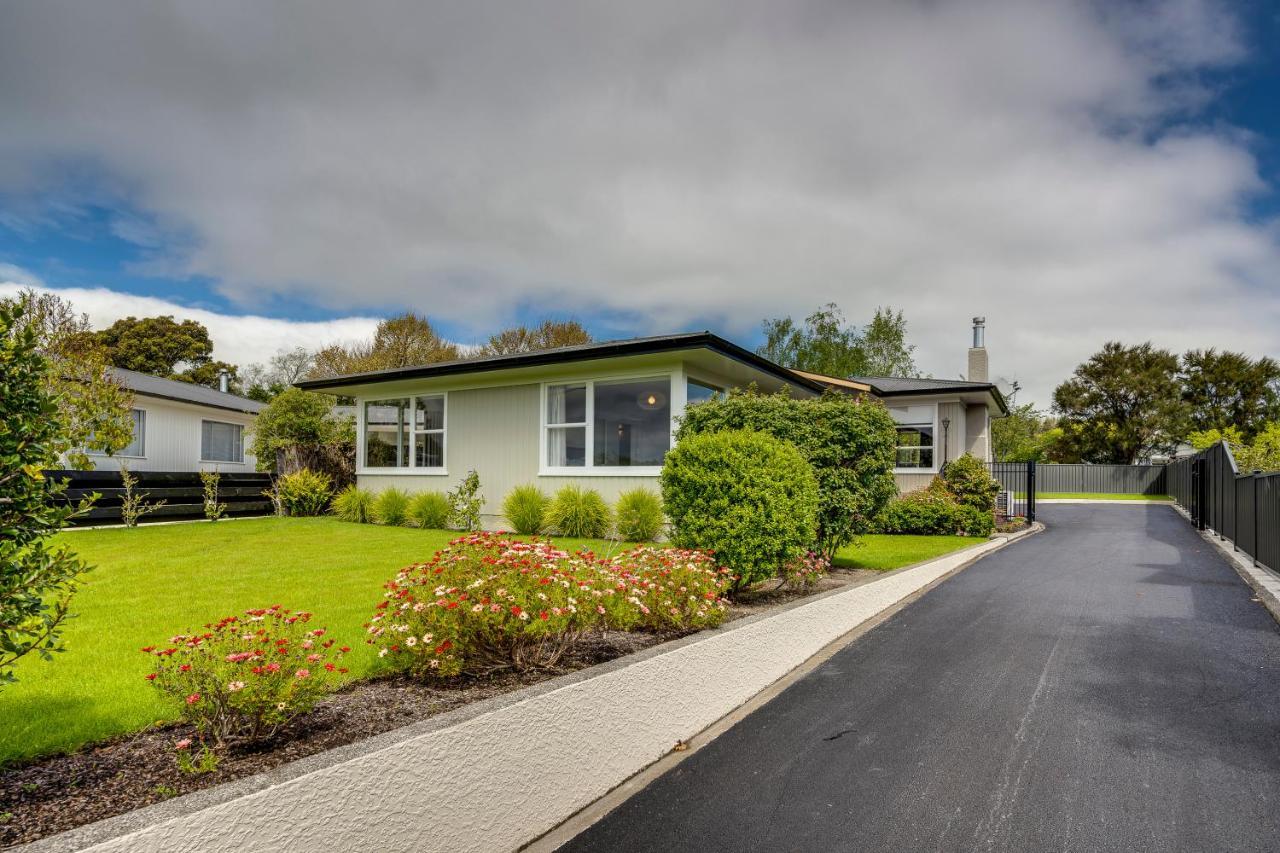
(849, 443)
(934, 510)
(749, 497)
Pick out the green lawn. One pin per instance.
(1088, 496)
(153, 582)
(882, 553)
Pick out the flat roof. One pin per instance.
(566, 355)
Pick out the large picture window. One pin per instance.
(405, 432)
(624, 423)
(221, 442)
(915, 437)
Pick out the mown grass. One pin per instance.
(153, 582)
(882, 552)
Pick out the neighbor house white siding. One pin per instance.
(172, 438)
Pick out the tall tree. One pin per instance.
(1121, 405)
(265, 382)
(1224, 389)
(824, 344)
(885, 347)
(93, 407)
(1022, 435)
(405, 340)
(548, 334)
(160, 346)
(36, 579)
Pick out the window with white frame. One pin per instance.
(700, 392)
(137, 446)
(617, 423)
(221, 442)
(916, 430)
(405, 432)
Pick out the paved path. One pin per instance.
(1105, 685)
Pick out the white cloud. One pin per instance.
(239, 339)
(1034, 162)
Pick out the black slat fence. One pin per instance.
(1241, 507)
(182, 492)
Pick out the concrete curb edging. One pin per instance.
(498, 774)
(1265, 583)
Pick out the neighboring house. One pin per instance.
(180, 426)
(603, 415)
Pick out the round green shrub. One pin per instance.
(525, 509)
(354, 504)
(968, 479)
(428, 510)
(390, 507)
(305, 492)
(578, 512)
(749, 497)
(934, 511)
(638, 516)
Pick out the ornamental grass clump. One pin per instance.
(390, 507)
(244, 677)
(580, 513)
(638, 516)
(428, 510)
(487, 603)
(525, 508)
(305, 492)
(354, 504)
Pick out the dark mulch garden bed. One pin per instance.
(61, 792)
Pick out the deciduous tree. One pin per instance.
(405, 340)
(827, 344)
(548, 334)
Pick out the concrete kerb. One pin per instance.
(1264, 582)
(546, 752)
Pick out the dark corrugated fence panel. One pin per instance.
(1102, 479)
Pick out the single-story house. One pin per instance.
(603, 414)
(181, 426)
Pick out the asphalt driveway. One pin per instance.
(1105, 685)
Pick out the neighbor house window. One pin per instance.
(138, 444)
(407, 432)
(915, 436)
(221, 442)
(700, 392)
(623, 423)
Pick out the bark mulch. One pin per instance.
(60, 792)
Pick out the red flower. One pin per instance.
(515, 610)
(186, 667)
(193, 698)
(544, 616)
(151, 676)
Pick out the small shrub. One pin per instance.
(244, 677)
(428, 510)
(465, 503)
(305, 492)
(354, 504)
(525, 508)
(934, 510)
(968, 479)
(390, 507)
(133, 504)
(750, 498)
(487, 603)
(578, 512)
(212, 509)
(638, 516)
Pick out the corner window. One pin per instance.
(700, 392)
(138, 444)
(221, 442)
(915, 437)
(608, 424)
(406, 432)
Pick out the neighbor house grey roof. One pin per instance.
(560, 355)
(184, 392)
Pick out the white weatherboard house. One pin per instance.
(603, 415)
(180, 426)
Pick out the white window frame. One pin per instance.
(675, 394)
(204, 461)
(142, 424)
(443, 432)
(937, 439)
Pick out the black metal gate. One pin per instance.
(1017, 498)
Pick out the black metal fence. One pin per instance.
(181, 491)
(1103, 479)
(1017, 498)
(1242, 508)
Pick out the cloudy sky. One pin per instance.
(285, 172)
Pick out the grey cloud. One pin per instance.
(666, 161)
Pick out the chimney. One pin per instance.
(224, 378)
(978, 352)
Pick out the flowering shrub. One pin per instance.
(246, 676)
(804, 572)
(487, 603)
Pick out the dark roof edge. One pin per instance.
(541, 358)
(191, 402)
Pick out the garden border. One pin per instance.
(500, 773)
